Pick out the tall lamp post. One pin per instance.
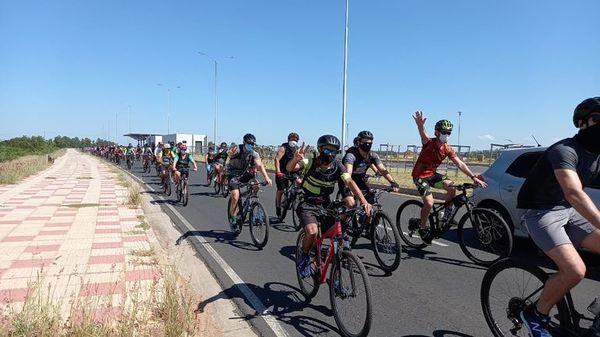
(459, 114)
(216, 96)
(168, 106)
(345, 78)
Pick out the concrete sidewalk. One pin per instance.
(69, 233)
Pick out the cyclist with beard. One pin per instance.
(284, 154)
(425, 175)
(321, 173)
(357, 161)
(560, 216)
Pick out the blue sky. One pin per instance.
(514, 68)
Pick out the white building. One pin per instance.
(194, 142)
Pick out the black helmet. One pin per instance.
(365, 134)
(328, 140)
(355, 141)
(223, 144)
(586, 108)
(293, 135)
(249, 138)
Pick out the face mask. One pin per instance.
(443, 138)
(365, 146)
(292, 143)
(589, 138)
(249, 147)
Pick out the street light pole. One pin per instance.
(216, 95)
(459, 114)
(345, 78)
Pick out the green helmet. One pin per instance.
(443, 125)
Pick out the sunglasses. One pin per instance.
(446, 132)
(330, 152)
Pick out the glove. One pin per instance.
(279, 174)
(394, 184)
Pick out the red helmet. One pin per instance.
(183, 147)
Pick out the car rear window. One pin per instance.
(523, 164)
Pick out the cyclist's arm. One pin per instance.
(278, 156)
(465, 169)
(295, 165)
(349, 168)
(424, 136)
(576, 196)
(175, 160)
(191, 160)
(384, 172)
(263, 170)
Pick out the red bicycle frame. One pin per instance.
(335, 236)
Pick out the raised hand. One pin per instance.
(419, 119)
(302, 151)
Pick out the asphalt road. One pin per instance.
(434, 292)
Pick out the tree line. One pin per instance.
(37, 145)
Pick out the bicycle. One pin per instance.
(483, 235)
(166, 181)
(181, 189)
(510, 286)
(221, 182)
(146, 166)
(130, 159)
(292, 195)
(348, 278)
(254, 211)
(384, 236)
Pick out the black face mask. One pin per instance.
(365, 146)
(589, 138)
(326, 159)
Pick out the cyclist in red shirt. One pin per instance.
(434, 152)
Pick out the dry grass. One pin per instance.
(164, 308)
(142, 252)
(13, 171)
(134, 198)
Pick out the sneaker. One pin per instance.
(535, 323)
(339, 290)
(304, 266)
(425, 235)
(233, 223)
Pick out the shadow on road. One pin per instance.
(280, 300)
(219, 236)
(442, 333)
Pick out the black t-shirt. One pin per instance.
(541, 190)
(287, 156)
(360, 165)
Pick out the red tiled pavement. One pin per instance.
(107, 245)
(108, 230)
(106, 259)
(13, 295)
(102, 288)
(35, 263)
(140, 275)
(18, 238)
(42, 248)
(57, 232)
(134, 238)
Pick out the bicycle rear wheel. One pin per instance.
(259, 225)
(284, 205)
(295, 218)
(350, 295)
(185, 193)
(407, 213)
(308, 286)
(385, 241)
(216, 184)
(508, 287)
(484, 236)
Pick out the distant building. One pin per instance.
(196, 143)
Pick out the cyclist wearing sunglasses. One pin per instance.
(321, 173)
(434, 152)
(560, 216)
(241, 168)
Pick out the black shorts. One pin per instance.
(235, 181)
(308, 213)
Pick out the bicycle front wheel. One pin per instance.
(259, 225)
(407, 216)
(350, 295)
(284, 205)
(508, 287)
(484, 236)
(385, 241)
(185, 193)
(295, 218)
(309, 286)
(216, 184)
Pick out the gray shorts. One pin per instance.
(551, 228)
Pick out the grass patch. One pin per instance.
(134, 198)
(142, 252)
(135, 232)
(143, 226)
(11, 172)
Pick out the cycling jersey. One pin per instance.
(183, 162)
(360, 165)
(210, 157)
(166, 159)
(432, 155)
(319, 184)
(288, 155)
(221, 156)
(242, 161)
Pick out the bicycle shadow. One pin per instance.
(279, 300)
(207, 194)
(432, 256)
(218, 236)
(442, 333)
